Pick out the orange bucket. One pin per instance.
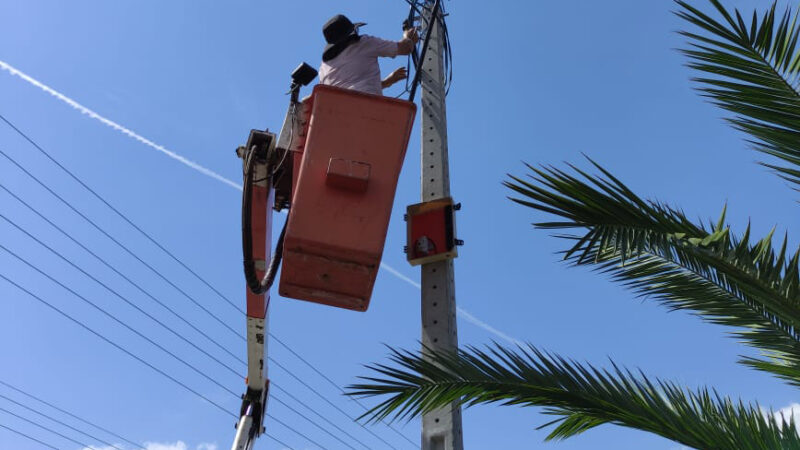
(342, 196)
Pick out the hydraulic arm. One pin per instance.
(267, 166)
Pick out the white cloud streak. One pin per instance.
(463, 313)
(210, 173)
(110, 123)
(179, 445)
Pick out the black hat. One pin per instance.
(339, 32)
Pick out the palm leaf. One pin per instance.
(753, 69)
(580, 396)
(656, 251)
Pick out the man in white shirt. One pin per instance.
(350, 60)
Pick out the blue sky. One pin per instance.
(540, 82)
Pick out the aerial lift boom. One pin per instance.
(267, 166)
(335, 166)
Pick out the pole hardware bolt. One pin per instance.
(459, 242)
(457, 207)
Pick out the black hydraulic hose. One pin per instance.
(255, 285)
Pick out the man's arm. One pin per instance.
(394, 77)
(409, 41)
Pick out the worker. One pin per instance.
(350, 60)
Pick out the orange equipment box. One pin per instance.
(431, 231)
(343, 194)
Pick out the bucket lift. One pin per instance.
(334, 166)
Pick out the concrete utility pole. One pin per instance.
(441, 429)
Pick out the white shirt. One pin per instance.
(357, 66)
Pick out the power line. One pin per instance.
(67, 413)
(124, 299)
(119, 347)
(117, 294)
(115, 319)
(101, 230)
(28, 437)
(141, 360)
(289, 427)
(139, 309)
(320, 395)
(59, 422)
(334, 384)
(115, 270)
(120, 214)
(273, 385)
(44, 427)
(286, 405)
(278, 440)
(171, 255)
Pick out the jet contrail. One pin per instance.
(110, 123)
(463, 313)
(210, 173)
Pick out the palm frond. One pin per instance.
(580, 396)
(753, 71)
(656, 251)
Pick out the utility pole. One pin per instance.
(441, 429)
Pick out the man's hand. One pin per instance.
(411, 34)
(410, 38)
(394, 77)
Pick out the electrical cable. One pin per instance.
(60, 422)
(435, 13)
(274, 385)
(44, 428)
(28, 437)
(67, 413)
(419, 8)
(127, 326)
(270, 359)
(130, 328)
(115, 319)
(120, 214)
(127, 250)
(141, 360)
(18, 227)
(286, 405)
(165, 250)
(105, 233)
(120, 296)
(288, 148)
(115, 270)
(301, 434)
(285, 445)
(334, 384)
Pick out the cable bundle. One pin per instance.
(416, 12)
